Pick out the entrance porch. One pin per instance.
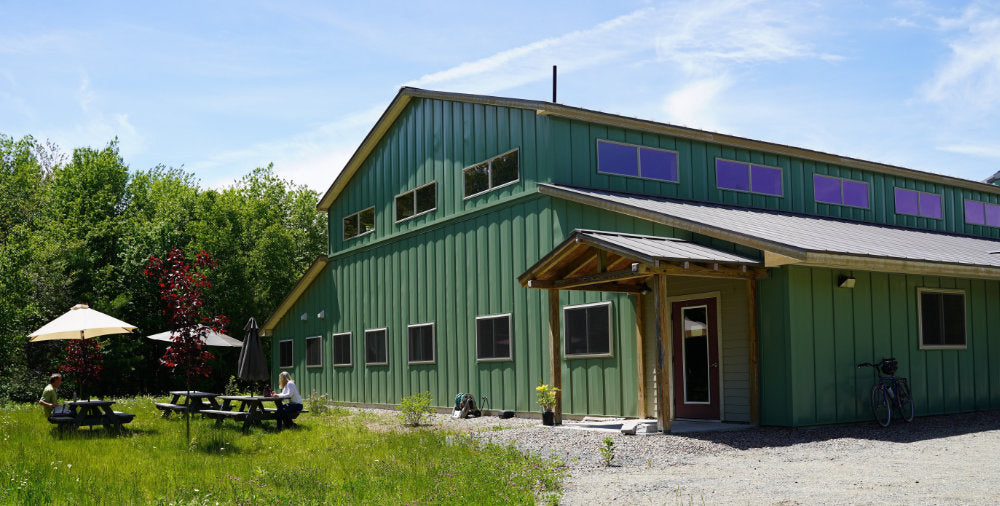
(695, 332)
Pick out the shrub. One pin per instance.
(547, 396)
(318, 404)
(415, 408)
(608, 451)
(232, 386)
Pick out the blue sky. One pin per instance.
(222, 87)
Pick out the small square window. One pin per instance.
(730, 175)
(421, 343)
(856, 194)
(404, 206)
(993, 215)
(493, 337)
(314, 352)
(827, 190)
(493, 173)
(658, 164)
(942, 318)
(917, 203)
(342, 349)
(930, 205)
(588, 330)
(359, 223)
(614, 158)
(285, 354)
(477, 179)
(975, 212)
(426, 198)
(375, 347)
(765, 180)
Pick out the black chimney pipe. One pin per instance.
(553, 84)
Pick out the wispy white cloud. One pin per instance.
(970, 78)
(692, 103)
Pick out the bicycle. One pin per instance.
(889, 392)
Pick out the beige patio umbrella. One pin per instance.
(81, 322)
(212, 338)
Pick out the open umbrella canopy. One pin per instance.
(81, 322)
(212, 338)
(252, 366)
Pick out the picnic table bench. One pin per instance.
(195, 402)
(90, 413)
(252, 411)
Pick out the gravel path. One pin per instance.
(943, 460)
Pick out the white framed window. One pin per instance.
(942, 319)
(376, 347)
(420, 341)
(494, 337)
(587, 330)
(285, 358)
(360, 223)
(416, 202)
(497, 172)
(342, 349)
(314, 351)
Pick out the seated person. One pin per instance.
(50, 396)
(290, 392)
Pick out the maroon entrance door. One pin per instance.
(696, 358)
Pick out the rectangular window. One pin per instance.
(498, 171)
(285, 354)
(421, 343)
(416, 202)
(942, 318)
(637, 161)
(360, 223)
(917, 203)
(375, 347)
(981, 213)
(748, 177)
(342, 349)
(844, 192)
(588, 329)
(493, 337)
(314, 351)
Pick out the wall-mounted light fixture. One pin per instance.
(321, 315)
(846, 281)
(304, 317)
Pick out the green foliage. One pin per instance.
(334, 459)
(318, 404)
(80, 228)
(415, 407)
(547, 396)
(607, 451)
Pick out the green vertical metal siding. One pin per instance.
(574, 147)
(809, 353)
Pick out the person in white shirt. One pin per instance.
(288, 391)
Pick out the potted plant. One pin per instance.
(547, 397)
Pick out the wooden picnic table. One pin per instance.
(195, 401)
(252, 411)
(90, 413)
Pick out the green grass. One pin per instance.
(335, 458)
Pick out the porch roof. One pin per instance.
(610, 261)
(787, 238)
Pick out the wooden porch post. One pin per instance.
(752, 338)
(665, 356)
(555, 352)
(640, 338)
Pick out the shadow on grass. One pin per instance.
(100, 433)
(920, 429)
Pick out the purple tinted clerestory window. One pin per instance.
(993, 215)
(856, 194)
(615, 158)
(975, 212)
(765, 180)
(930, 205)
(907, 202)
(658, 164)
(826, 189)
(731, 175)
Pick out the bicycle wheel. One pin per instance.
(880, 406)
(904, 401)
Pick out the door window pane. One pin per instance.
(696, 354)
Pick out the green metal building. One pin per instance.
(482, 244)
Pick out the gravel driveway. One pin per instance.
(941, 460)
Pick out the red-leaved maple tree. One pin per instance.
(83, 362)
(182, 286)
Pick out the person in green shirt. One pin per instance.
(50, 396)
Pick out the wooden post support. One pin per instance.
(664, 356)
(555, 351)
(640, 339)
(754, 366)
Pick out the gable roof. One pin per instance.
(406, 94)
(788, 238)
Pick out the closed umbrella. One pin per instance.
(81, 322)
(252, 366)
(212, 338)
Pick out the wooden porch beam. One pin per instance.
(665, 357)
(634, 272)
(640, 339)
(689, 269)
(555, 352)
(753, 365)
